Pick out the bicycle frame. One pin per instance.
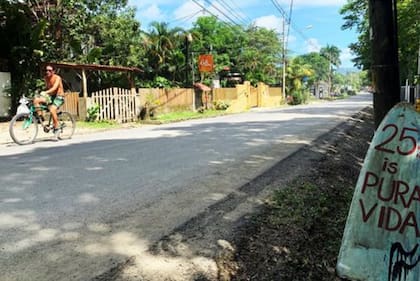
(33, 113)
(27, 117)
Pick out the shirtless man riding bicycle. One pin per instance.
(53, 96)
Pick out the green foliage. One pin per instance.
(297, 71)
(103, 124)
(186, 115)
(21, 45)
(409, 37)
(221, 105)
(298, 97)
(349, 83)
(152, 100)
(106, 32)
(355, 14)
(301, 207)
(161, 82)
(93, 112)
(150, 107)
(319, 64)
(165, 48)
(332, 54)
(255, 51)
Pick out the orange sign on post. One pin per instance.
(205, 63)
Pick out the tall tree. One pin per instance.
(254, 51)
(409, 38)
(320, 66)
(261, 55)
(297, 72)
(224, 41)
(22, 46)
(163, 49)
(332, 54)
(356, 16)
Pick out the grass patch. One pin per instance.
(186, 115)
(316, 216)
(98, 124)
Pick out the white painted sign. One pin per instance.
(382, 235)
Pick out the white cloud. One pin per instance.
(152, 12)
(187, 13)
(149, 13)
(270, 22)
(345, 57)
(312, 45)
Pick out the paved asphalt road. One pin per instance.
(73, 209)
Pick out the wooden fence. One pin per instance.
(71, 103)
(116, 104)
(225, 94)
(167, 100)
(124, 105)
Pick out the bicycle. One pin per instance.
(23, 127)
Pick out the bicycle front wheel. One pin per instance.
(66, 125)
(23, 128)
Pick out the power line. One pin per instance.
(291, 24)
(216, 16)
(186, 18)
(248, 19)
(290, 20)
(220, 11)
(280, 9)
(232, 11)
(286, 18)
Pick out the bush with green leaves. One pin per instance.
(298, 97)
(161, 82)
(93, 112)
(221, 105)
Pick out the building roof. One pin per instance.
(82, 66)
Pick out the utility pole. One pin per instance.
(284, 62)
(385, 69)
(188, 40)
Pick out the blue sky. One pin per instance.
(315, 23)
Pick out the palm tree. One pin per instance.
(297, 71)
(164, 49)
(332, 54)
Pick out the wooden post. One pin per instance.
(84, 83)
(385, 70)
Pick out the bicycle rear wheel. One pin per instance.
(66, 124)
(23, 128)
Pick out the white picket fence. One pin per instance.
(116, 104)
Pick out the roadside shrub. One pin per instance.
(149, 108)
(220, 105)
(93, 112)
(297, 97)
(351, 92)
(161, 82)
